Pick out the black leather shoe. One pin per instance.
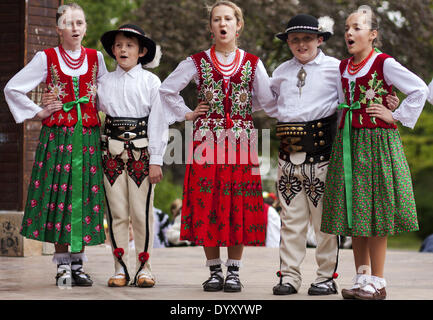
(232, 282)
(323, 288)
(283, 289)
(63, 277)
(215, 282)
(81, 279)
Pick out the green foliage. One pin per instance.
(102, 16)
(166, 192)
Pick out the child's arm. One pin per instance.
(263, 96)
(157, 132)
(20, 105)
(411, 85)
(173, 104)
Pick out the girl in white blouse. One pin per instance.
(369, 193)
(69, 142)
(223, 202)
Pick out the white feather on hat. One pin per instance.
(155, 62)
(326, 24)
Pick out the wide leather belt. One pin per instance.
(125, 129)
(314, 138)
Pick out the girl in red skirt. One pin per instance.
(223, 202)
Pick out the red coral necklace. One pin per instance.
(226, 69)
(354, 68)
(71, 62)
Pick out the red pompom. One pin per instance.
(118, 252)
(335, 275)
(143, 257)
(279, 275)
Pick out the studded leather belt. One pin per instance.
(315, 138)
(125, 129)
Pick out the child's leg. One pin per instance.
(62, 258)
(374, 289)
(361, 254)
(232, 282)
(141, 210)
(377, 249)
(216, 279)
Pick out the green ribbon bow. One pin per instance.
(347, 156)
(77, 176)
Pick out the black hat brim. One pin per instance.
(107, 40)
(283, 35)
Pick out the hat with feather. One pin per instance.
(304, 23)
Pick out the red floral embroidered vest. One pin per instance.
(371, 88)
(62, 86)
(230, 108)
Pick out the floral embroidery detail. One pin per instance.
(92, 88)
(314, 187)
(289, 186)
(211, 91)
(373, 94)
(241, 95)
(138, 170)
(56, 87)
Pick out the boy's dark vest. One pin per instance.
(371, 88)
(62, 86)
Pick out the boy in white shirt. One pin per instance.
(307, 89)
(133, 147)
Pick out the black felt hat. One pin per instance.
(108, 38)
(304, 23)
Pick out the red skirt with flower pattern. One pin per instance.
(222, 200)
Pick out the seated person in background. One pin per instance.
(173, 230)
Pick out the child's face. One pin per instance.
(127, 51)
(72, 28)
(224, 25)
(304, 45)
(358, 34)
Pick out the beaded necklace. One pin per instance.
(354, 68)
(71, 62)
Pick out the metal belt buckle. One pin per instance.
(127, 135)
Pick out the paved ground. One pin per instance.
(180, 272)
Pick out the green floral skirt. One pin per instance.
(383, 199)
(47, 215)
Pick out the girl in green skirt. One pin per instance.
(65, 202)
(369, 193)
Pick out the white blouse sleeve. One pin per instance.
(430, 95)
(158, 126)
(173, 104)
(263, 97)
(101, 63)
(411, 85)
(28, 78)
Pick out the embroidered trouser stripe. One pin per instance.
(147, 215)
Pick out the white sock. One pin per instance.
(77, 257)
(215, 267)
(233, 268)
(62, 258)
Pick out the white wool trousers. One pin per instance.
(300, 191)
(128, 202)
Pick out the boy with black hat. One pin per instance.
(133, 147)
(307, 89)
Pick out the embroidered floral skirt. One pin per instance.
(223, 203)
(47, 215)
(383, 199)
